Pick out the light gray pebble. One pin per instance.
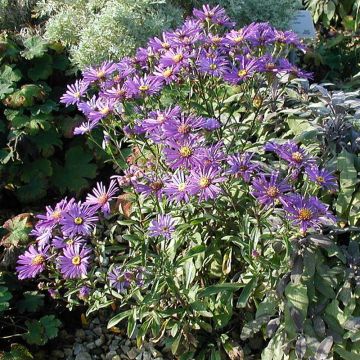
(100, 341)
(57, 354)
(98, 331)
(83, 356)
(90, 346)
(132, 354)
(139, 357)
(78, 348)
(110, 355)
(68, 351)
(116, 357)
(146, 356)
(124, 348)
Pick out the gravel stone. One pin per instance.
(79, 348)
(98, 331)
(132, 354)
(110, 355)
(83, 356)
(80, 334)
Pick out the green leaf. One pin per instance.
(35, 334)
(51, 326)
(18, 231)
(9, 75)
(39, 168)
(194, 251)
(35, 47)
(47, 141)
(42, 68)
(5, 296)
(17, 352)
(31, 302)
(346, 355)
(33, 190)
(246, 292)
(219, 288)
(117, 318)
(74, 175)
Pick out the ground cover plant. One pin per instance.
(37, 145)
(223, 239)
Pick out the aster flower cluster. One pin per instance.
(206, 47)
(62, 235)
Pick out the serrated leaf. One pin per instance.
(35, 47)
(42, 68)
(18, 229)
(35, 189)
(35, 334)
(31, 302)
(39, 168)
(51, 326)
(74, 175)
(46, 141)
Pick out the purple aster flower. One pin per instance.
(289, 38)
(163, 225)
(84, 293)
(238, 37)
(42, 234)
(100, 73)
(295, 155)
(322, 177)
(211, 124)
(204, 183)
(187, 35)
(74, 93)
(247, 68)
(53, 216)
(160, 45)
(269, 191)
(131, 176)
(61, 242)
(214, 15)
(74, 262)
(175, 57)
(85, 127)
(32, 262)
(293, 70)
(88, 106)
(213, 155)
(307, 212)
(213, 65)
(241, 165)
(104, 107)
(186, 153)
(78, 220)
(262, 34)
(54, 293)
(177, 187)
(120, 279)
(143, 86)
(101, 197)
(117, 92)
(152, 186)
(167, 74)
(181, 128)
(157, 118)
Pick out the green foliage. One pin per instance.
(278, 13)
(33, 136)
(17, 352)
(336, 55)
(41, 331)
(5, 296)
(101, 29)
(15, 13)
(18, 229)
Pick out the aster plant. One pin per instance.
(209, 207)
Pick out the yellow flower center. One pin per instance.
(204, 182)
(69, 241)
(37, 260)
(185, 151)
(165, 228)
(103, 199)
(216, 39)
(239, 39)
(56, 214)
(178, 57)
(165, 45)
(144, 88)
(76, 260)
(304, 214)
(77, 95)
(184, 129)
(272, 191)
(105, 111)
(182, 187)
(297, 156)
(100, 74)
(78, 220)
(242, 73)
(320, 179)
(213, 66)
(167, 73)
(160, 118)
